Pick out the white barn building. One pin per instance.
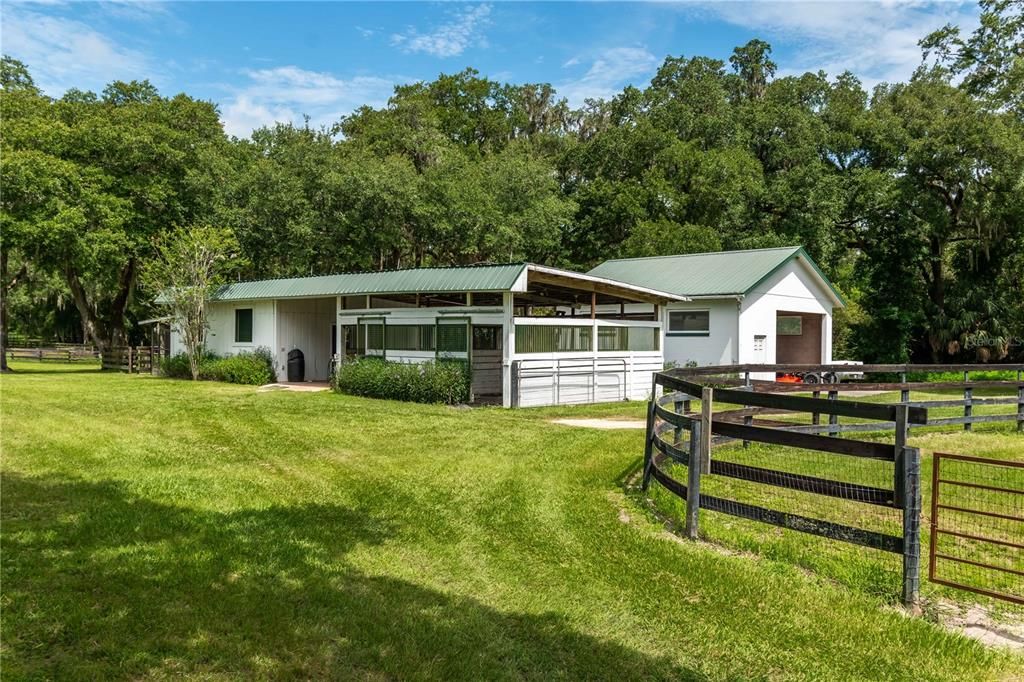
(532, 335)
(761, 306)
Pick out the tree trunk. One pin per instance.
(105, 334)
(3, 312)
(937, 294)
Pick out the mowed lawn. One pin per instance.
(155, 528)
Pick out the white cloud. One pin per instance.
(285, 94)
(608, 73)
(62, 53)
(877, 41)
(450, 39)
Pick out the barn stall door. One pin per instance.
(798, 338)
(486, 363)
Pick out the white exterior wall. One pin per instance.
(718, 347)
(793, 289)
(220, 338)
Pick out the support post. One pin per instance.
(1020, 408)
(707, 397)
(899, 448)
(815, 416)
(648, 446)
(748, 420)
(678, 436)
(129, 359)
(911, 527)
(934, 535)
(693, 482)
(833, 419)
(968, 404)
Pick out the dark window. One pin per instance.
(487, 338)
(243, 325)
(789, 325)
(689, 321)
(353, 302)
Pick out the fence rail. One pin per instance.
(670, 418)
(977, 543)
(739, 377)
(134, 359)
(57, 352)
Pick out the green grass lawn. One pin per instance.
(156, 528)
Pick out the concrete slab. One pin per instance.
(298, 387)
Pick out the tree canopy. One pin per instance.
(911, 197)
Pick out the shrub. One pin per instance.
(255, 368)
(445, 381)
(177, 366)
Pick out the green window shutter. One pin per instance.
(452, 338)
(374, 337)
(243, 325)
(536, 338)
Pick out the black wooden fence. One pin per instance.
(1009, 392)
(675, 433)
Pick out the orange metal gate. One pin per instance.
(977, 526)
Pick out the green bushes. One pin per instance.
(255, 368)
(446, 381)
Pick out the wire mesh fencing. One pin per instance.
(977, 526)
(852, 491)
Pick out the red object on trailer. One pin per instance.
(789, 379)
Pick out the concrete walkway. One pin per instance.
(606, 424)
(297, 386)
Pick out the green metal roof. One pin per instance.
(722, 273)
(421, 280)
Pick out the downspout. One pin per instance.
(739, 313)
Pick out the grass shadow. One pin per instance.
(100, 583)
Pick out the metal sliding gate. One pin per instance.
(977, 526)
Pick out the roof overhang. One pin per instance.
(543, 274)
(804, 258)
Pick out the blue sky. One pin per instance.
(268, 61)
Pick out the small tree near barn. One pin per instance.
(187, 270)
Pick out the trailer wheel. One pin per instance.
(831, 378)
(812, 378)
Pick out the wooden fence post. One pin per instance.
(748, 420)
(678, 435)
(912, 526)
(833, 419)
(648, 446)
(707, 398)
(815, 416)
(129, 359)
(693, 480)
(1020, 407)
(968, 404)
(899, 446)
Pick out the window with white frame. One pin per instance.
(689, 322)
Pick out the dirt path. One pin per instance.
(606, 424)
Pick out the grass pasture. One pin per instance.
(154, 528)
